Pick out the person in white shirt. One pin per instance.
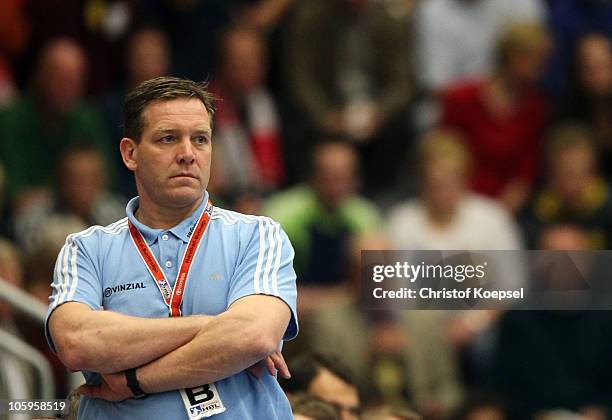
(446, 216)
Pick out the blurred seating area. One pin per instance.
(357, 125)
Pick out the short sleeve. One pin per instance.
(75, 279)
(267, 268)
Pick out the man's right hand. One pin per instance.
(113, 388)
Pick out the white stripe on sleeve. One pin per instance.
(279, 250)
(65, 280)
(259, 257)
(271, 245)
(75, 275)
(57, 278)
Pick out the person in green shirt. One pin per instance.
(50, 117)
(320, 216)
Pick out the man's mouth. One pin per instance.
(185, 176)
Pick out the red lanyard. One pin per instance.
(173, 298)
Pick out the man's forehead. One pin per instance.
(168, 114)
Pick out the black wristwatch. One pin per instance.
(132, 383)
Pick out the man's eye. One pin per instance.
(167, 139)
(200, 140)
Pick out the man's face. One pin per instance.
(443, 184)
(244, 63)
(335, 391)
(595, 65)
(527, 67)
(148, 57)
(62, 76)
(334, 174)
(573, 170)
(172, 160)
(82, 180)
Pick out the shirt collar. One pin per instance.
(181, 230)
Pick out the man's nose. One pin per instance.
(185, 153)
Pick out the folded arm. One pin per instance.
(107, 342)
(249, 331)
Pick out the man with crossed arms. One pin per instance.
(164, 310)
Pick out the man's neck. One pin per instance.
(158, 217)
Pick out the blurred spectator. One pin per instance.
(263, 15)
(147, 56)
(502, 116)
(340, 60)
(14, 35)
(15, 28)
(247, 131)
(397, 358)
(11, 268)
(48, 119)
(39, 266)
(325, 377)
(574, 193)
(81, 193)
(561, 414)
(16, 380)
(308, 407)
(446, 215)
(555, 359)
(271, 18)
(8, 90)
(320, 216)
(589, 100)
(480, 407)
(388, 413)
(456, 38)
(348, 67)
(192, 28)
(101, 26)
(569, 21)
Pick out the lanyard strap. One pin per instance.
(172, 297)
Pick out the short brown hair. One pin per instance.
(444, 143)
(569, 136)
(520, 37)
(313, 407)
(161, 89)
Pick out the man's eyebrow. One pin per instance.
(206, 131)
(164, 130)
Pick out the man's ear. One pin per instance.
(129, 153)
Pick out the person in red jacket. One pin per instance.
(247, 123)
(502, 116)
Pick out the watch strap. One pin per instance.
(132, 383)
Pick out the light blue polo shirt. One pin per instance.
(239, 255)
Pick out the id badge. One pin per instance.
(202, 401)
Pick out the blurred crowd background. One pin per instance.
(356, 124)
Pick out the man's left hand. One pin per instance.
(273, 363)
(113, 388)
